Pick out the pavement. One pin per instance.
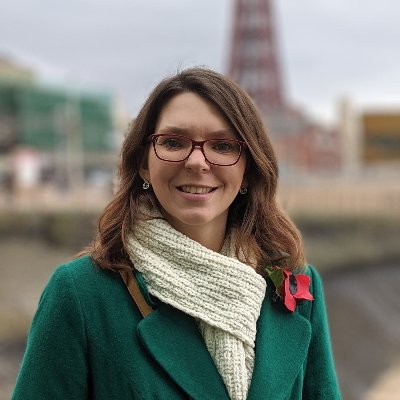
(387, 386)
(364, 309)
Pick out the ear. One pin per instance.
(144, 173)
(244, 183)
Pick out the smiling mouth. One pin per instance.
(195, 189)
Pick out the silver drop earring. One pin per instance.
(243, 190)
(146, 185)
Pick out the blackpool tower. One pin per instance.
(300, 144)
(254, 61)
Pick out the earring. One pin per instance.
(146, 185)
(243, 190)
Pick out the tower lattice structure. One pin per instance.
(254, 61)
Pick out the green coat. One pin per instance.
(89, 341)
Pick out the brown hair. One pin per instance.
(264, 232)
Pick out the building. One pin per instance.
(381, 136)
(57, 136)
(303, 147)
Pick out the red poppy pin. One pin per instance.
(290, 288)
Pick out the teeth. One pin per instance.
(194, 189)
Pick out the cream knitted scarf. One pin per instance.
(220, 292)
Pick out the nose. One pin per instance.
(197, 161)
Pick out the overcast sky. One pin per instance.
(328, 48)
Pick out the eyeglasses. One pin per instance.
(176, 148)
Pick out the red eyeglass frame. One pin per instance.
(195, 143)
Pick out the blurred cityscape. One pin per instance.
(59, 151)
(58, 145)
(59, 148)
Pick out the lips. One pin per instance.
(195, 189)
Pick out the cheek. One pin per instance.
(161, 173)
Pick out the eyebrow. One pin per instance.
(177, 130)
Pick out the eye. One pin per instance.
(223, 146)
(170, 143)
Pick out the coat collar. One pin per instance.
(174, 341)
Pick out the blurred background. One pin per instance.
(325, 77)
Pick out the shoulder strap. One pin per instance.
(133, 288)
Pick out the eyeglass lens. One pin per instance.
(216, 151)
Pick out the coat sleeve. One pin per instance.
(54, 365)
(320, 378)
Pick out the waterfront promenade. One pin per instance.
(354, 244)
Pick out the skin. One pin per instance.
(201, 217)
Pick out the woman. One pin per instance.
(220, 268)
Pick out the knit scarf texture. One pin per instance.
(223, 294)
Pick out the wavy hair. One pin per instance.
(263, 231)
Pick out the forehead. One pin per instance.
(190, 111)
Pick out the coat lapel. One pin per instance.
(174, 341)
(281, 349)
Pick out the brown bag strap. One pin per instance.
(133, 288)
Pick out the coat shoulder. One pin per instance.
(85, 275)
(80, 268)
(99, 293)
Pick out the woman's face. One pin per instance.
(194, 193)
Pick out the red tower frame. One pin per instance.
(254, 61)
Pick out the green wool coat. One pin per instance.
(88, 340)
